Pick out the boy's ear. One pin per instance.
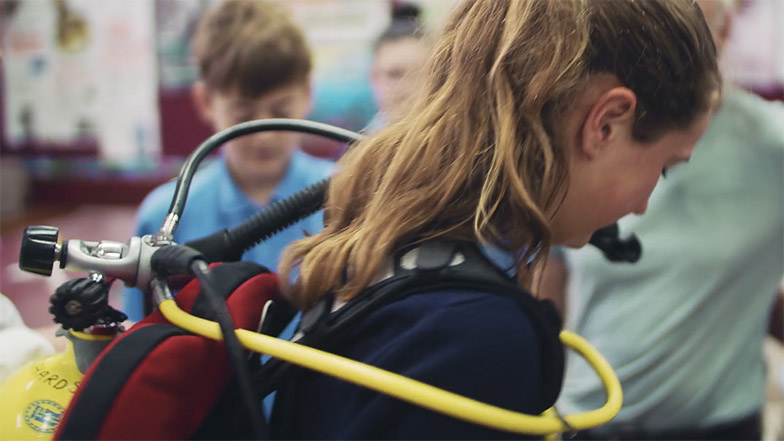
(610, 118)
(203, 102)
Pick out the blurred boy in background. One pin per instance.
(254, 63)
(400, 53)
(684, 326)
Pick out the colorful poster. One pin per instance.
(82, 69)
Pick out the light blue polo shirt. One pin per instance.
(684, 326)
(215, 202)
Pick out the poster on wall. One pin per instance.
(79, 71)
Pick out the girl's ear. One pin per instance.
(610, 118)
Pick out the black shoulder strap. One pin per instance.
(438, 265)
(111, 372)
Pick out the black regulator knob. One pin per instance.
(39, 249)
(80, 303)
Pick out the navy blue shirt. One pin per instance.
(475, 344)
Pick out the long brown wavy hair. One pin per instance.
(479, 155)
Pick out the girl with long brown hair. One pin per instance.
(538, 123)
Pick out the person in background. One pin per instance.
(400, 53)
(254, 63)
(538, 123)
(684, 326)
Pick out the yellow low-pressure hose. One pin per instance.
(416, 392)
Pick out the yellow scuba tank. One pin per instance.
(34, 399)
(36, 396)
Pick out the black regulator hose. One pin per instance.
(213, 142)
(179, 259)
(228, 245)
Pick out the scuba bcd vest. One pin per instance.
(165, 385)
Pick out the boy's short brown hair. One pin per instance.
(250, 47)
